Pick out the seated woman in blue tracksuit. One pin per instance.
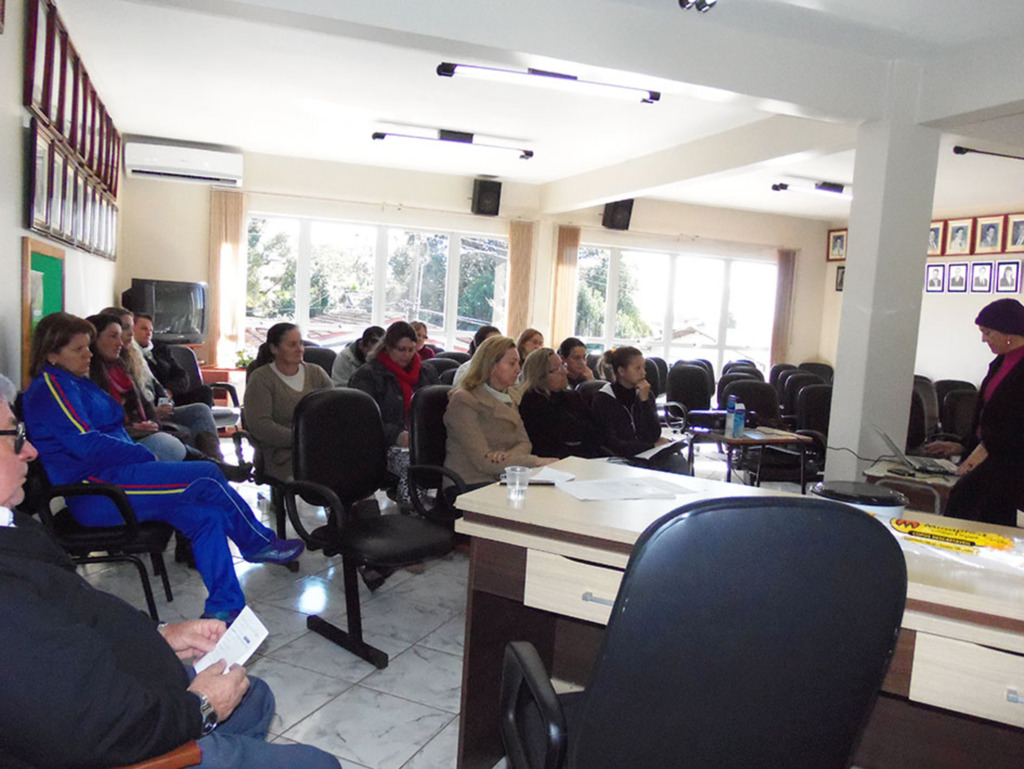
(79, 432)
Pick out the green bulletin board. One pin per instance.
(42, 290)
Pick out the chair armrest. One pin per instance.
(449, 513)
(114, 493)
(189, 754)
(314, 494)
(676, 414)
(229, 389)
(522, 665)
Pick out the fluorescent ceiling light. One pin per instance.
(553, 80)
(454, 139)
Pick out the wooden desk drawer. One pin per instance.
(564, 586)
(968, 678)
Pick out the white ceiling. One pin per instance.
(314, 78)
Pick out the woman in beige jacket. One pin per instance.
(485, 433)
(274, 390)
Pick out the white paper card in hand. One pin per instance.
(239, 642)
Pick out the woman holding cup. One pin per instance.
(485, 433)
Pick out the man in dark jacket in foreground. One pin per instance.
(88, 680)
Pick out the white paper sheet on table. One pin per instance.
(239, 642)
(547, 475)
(626, 488)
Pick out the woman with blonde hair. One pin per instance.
(485, 433)
(554, 415)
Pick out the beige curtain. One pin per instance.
(520, 262)
(563, 315)
(783, 306)
(227, 277)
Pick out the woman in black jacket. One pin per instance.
(554, 416)
(991, 484)
(390, 376)
(624, 409)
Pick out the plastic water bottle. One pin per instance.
(739, 420)
(730, 415)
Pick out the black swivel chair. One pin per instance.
(455, 355)
(791, 389)
(321, 356)
(223, 416)
(958, 409)
(944, 387)
(776, 372)
(101, 544)
(428, 438)
(708, 367)
(662, 371)
(824, 370)
(448, 377)
(440, 365)
(757, 397)
(589, 389)
(653, 375)
(340, 458)
(745, 367)
(924, 387)
(768, 650)
(814, 408)
(726, 379)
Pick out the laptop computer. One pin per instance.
(922, 464)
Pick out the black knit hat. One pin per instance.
(1003, 315)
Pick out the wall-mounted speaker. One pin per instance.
(486, 197)
(617, 215)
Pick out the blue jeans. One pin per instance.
(165, 446)
(197, 417)
(240, 742)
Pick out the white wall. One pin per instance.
(165, 225)
(88, 279)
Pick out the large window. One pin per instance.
(334, 279)
(676, 305)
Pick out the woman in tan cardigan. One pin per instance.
(485, 433)
(274, 390)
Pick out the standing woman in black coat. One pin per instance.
(392, 373)
(991, 485)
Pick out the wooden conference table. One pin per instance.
(536, 566)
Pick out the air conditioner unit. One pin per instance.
(189, 164)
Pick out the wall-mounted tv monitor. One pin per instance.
(180, 310)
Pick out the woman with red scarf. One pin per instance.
(390, 376)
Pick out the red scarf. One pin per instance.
(406, 377)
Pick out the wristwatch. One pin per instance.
(208, 713)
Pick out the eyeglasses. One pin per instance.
(19, 436)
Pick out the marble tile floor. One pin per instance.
(402, 717)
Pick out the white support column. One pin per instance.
(893, 186)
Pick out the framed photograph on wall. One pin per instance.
(958, 236)
(956, 278)
(836, 245)
(936, 238)
(989, 235)
(840, 277)
(935, 278)
(981, 277)
(1015, 233)
(1007, 277)
(68, 229)
(56, 191)
(40, 181)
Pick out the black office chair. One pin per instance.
(725, 380)
(440, 365)
(944, 387)
(768, 650)
(223, 416)
(458, 357)
(653, 375)
(794, 382)
(589, 389)
(321, 356)
(743, 367)
(761, 399)
(707, 366)
(958, 410)
(662, 371)
(428, 439)
(594, 363)
(814, 408)
(340, 459)
(101, 544)
(924, 387)
(824, 370)
(448, 377)
(688, 384)
(776, 372)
